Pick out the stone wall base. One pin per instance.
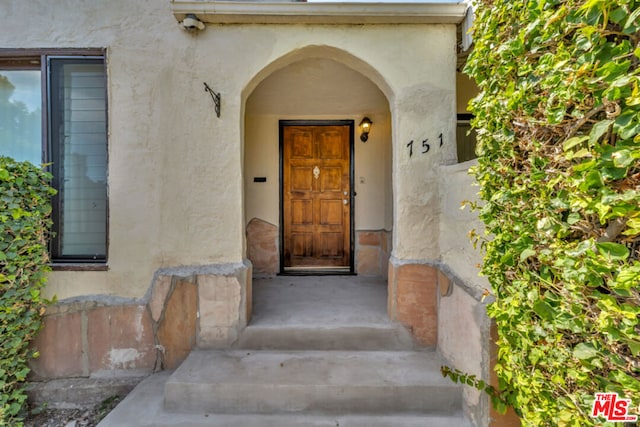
(413, 299)
(81, 338)
(373, 248)
(262, 247)
(184, 308)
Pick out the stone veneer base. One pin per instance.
(185, 307)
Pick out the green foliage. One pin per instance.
(464, 378)
(558, 122)
(24, 220)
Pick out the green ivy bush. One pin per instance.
(558, 123)
(25, 209)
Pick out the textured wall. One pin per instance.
(175, 170)
(456, 248)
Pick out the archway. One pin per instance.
(312, 84)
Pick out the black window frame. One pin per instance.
(38, 59)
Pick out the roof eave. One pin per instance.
(236, 12)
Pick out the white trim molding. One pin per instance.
(257, 12)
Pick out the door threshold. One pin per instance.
(317, 271)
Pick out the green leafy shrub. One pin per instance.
(558, 123)
(25, 208)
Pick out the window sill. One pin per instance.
(79, 267)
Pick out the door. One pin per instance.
(316, 195)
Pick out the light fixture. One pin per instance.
(365, 126)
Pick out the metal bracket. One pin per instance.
(215, 96)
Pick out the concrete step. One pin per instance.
(311, 382)
(387, 336)
(144, 408)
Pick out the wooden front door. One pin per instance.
(316, 195)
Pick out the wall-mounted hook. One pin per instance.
(215, 96)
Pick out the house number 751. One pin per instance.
(426, 147)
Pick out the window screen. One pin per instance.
(78, 135)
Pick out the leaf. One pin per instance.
(556, 115)
(633, 227)
(529, 252)
(634, 98)
(544, 310)
(618, 15)
(634, 346)
(593, 179)
(632, 18)
(622, 158)
(583, 152)
(573, 218)
(626, 380)
(598, 130)
(572, 142)
(613, 250)
(584, 166)
(584, 351)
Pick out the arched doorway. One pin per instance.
(317, 85)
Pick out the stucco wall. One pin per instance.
(463, 325)
(424, 108)
(175, 170)
(456, 221)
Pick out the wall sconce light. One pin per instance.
(365, 127)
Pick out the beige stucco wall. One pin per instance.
(424, 109)
(176, 178)
(463, 325)
(457, 220)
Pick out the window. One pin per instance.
(466, 137)
(53, 110)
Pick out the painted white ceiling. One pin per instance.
(316, 86)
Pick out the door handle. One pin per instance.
(345, 202)
(316, 172)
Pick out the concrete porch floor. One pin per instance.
(322, 313)
(319, 301)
